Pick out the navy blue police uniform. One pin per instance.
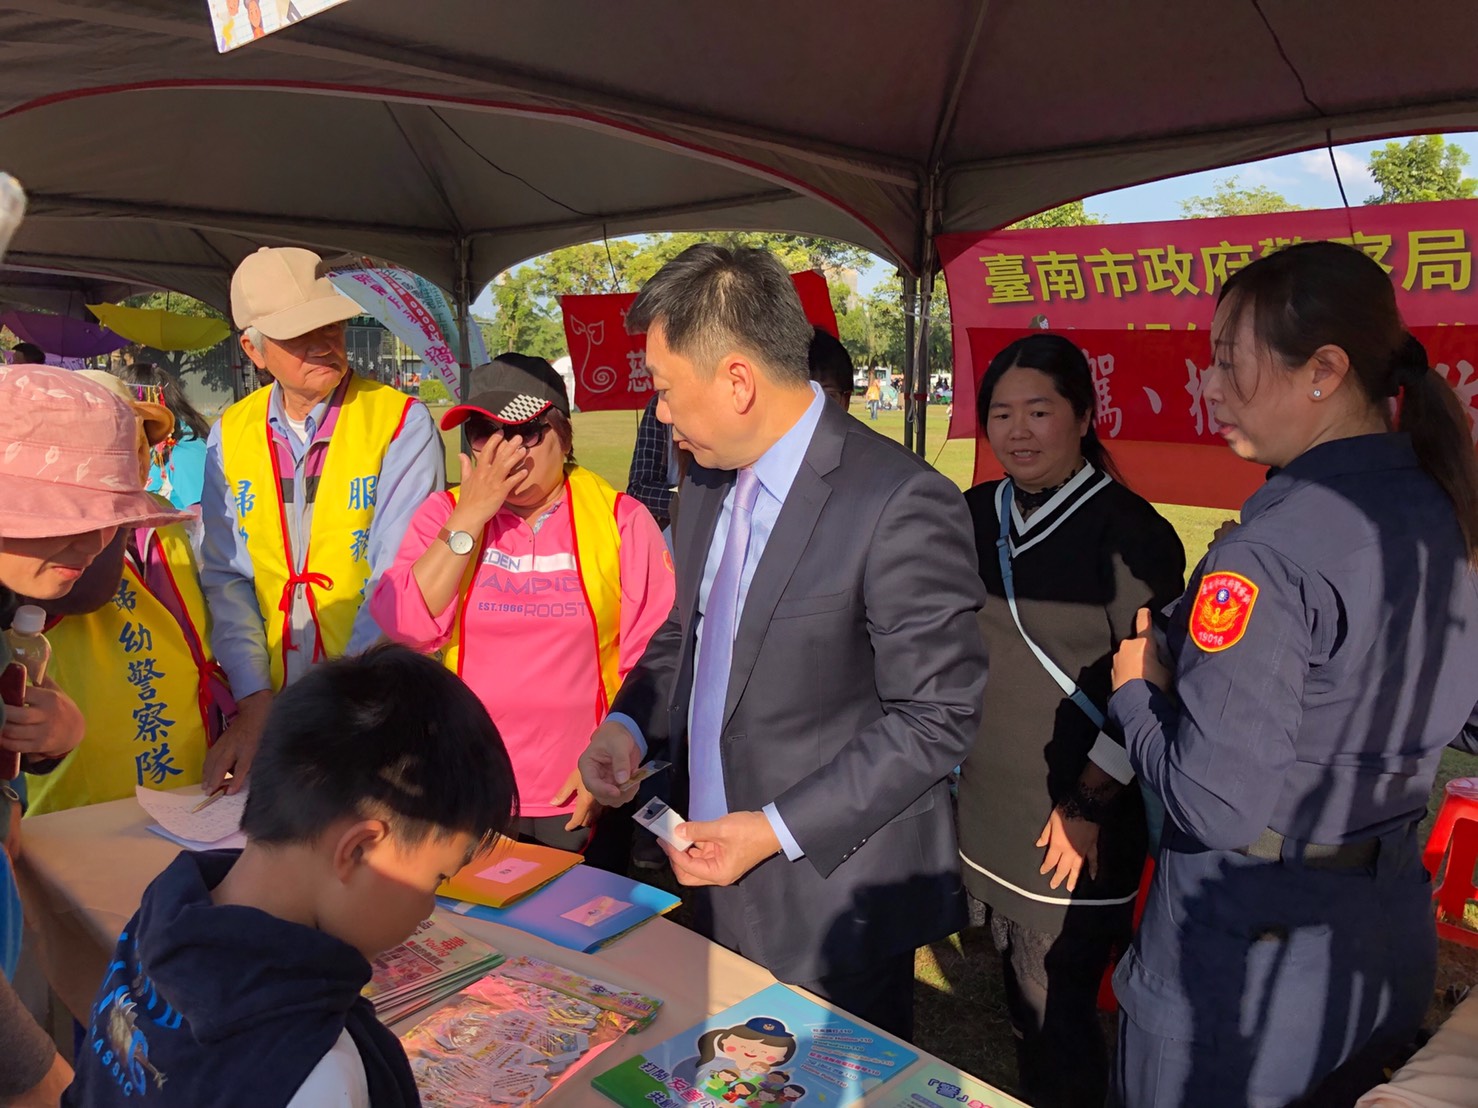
(1324, 655)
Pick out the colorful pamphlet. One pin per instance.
(777, 1047)
(436, 961)
(935, 1085)
(517, 1034)
(582, 910)
(506, 871)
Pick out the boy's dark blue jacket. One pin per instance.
(226, 1005)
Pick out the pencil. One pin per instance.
(211, 799)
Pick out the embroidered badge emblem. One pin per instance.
(1223, 607)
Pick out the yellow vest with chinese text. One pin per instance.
(336, 564)
(592, 506)
(140, 680)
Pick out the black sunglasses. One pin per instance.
(480, 429)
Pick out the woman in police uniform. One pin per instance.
(1321, 659)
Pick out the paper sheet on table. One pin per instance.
(206, 829)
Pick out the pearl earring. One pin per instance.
(1317, 394)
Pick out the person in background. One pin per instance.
(140, 667)
(27, 353)
(296, 534)
(542, 585)
(1056, 856)
(873, 396)
(71, 479)
(237, 983)
(821, 674)
(177, 469)
(653, 474)
(1317, 666)
(831, 367)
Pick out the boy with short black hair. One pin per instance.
(238, 981)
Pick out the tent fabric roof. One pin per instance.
(459, 138)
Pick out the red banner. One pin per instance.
(610, 366)
(1152, 416)
(1167, 275)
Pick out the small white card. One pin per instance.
(509, 869)
(663, 822)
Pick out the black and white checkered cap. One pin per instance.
(512, 389)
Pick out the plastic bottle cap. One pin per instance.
(29, 620)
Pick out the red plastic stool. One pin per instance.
(1459, 802)
(1457, 886)
(1107, 1001)
(1455, 836)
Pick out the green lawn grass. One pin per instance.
(961, 1010)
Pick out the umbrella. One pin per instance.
(62, 336)
(160, 329)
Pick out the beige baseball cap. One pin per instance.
(278, 291)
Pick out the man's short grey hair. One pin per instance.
(711, 301)
(256, 338)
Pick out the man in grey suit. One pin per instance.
(822, 669)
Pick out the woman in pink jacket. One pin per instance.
(541, 586)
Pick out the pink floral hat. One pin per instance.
(68, 463)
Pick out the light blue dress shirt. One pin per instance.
(414, 468)
(776, 470)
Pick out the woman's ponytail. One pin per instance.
(1434, 418)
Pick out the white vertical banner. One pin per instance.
(386, 295)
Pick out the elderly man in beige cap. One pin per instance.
(297, 533)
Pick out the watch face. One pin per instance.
(460, 542)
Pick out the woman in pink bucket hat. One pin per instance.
(69, 472)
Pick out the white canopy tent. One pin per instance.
(460, 137)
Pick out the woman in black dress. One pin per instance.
(1052, 824)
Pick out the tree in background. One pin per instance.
(1229, 198)
(1064, 215)
(526, 313)
(1427, 167)
(209, 367)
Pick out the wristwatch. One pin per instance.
(460, 541)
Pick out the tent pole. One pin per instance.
(921, 360)
(910, 284)
(463, 308)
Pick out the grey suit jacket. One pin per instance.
(855, 688)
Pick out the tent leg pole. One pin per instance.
(921, 360)
(910, 285)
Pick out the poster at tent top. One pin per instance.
(610, 366)
(238, 22)
(1166, 276)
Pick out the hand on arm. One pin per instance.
(1139, 658)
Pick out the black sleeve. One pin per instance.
(1467, 742)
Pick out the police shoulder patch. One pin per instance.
(1222, 609)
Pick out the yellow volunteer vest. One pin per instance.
(592, 505)
(141, 684)
(336, 564)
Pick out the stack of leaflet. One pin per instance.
(507, 871)
(435, 962)
(583, 910)
(214, 826)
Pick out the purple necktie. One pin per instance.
(707, 799)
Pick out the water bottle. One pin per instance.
(28, 645)
(30, 652)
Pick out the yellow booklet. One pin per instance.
(507, 871)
